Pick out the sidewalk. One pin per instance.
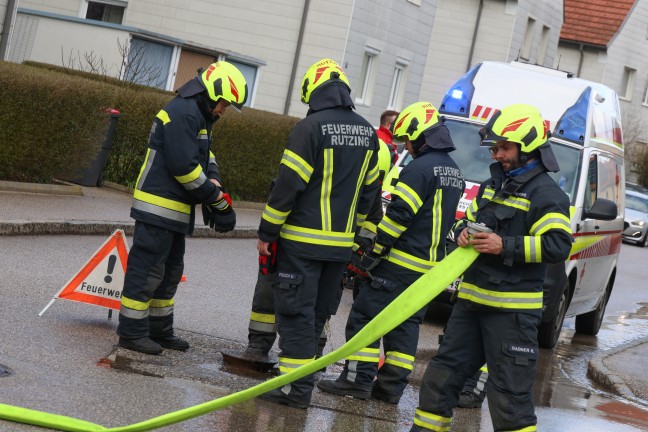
(35, 209)
(39, 209)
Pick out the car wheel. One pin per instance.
(549, 331)
(590, 323)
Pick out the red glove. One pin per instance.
(268, 263)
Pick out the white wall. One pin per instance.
(43, 31)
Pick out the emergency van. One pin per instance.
(585, 123)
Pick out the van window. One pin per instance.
(472, 159)
(592, 176)
(569, 162)
(604, 179)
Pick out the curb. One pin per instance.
(600, 374)
(55, 189)
(19, 228)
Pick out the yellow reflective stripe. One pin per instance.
(525, 429)
(515, 202)
(134, 304)
(325, 192)
(551, 221)
(352, 213)
(289, 364)
(369, 226)
(373, 173)
(408, 195)
(431, 421)
(484, 368)
(399, 359)
(163, 116)
(193, 175)
(532, 249)
(488, 194)
(581, 243)
(472, 208)
(391, 227)
(264, 318)
(202, 134)
(369, 355)
(296, 163)
(360, 219)
(161, 303)
(316, 236)
(409, 261)
(274, 216)
(437, 218)
(506, 300)
(378, 248)
(162, 202)
(150, 154)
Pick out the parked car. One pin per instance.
(636, 188)
(635, 226)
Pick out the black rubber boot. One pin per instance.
(344, 388)
(469, 400)
(279, 397)
(144, 345)
(172, 342)
(385, 397)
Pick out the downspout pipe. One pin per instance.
(7, 27)
(293, 73)
(474, 36)
(581, 50)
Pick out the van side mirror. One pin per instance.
(602, 209)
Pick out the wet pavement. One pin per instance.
(67, 363)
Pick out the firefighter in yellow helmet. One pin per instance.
(410, 240)
(499, 306)
(327, 180)
(179, 172)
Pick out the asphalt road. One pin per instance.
(66, 362)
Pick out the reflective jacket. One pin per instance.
(531, 214)
(422, 211)
(327, 180)
(178, 165)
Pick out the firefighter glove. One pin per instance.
(219, 215)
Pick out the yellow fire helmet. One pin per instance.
(323, 72)
(414, 120)
(519, 123)
(224, 81)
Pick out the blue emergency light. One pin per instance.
(573, 123)
(457, 100)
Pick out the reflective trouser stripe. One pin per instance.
(161, 307)
(399, 359)
(525, 429)
(431, 421)
(289, 364)
(367, 355)
(501, 299)
(263, 322)
(134, 309)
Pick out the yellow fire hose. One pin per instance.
(409, 302)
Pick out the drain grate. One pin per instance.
(4, 371)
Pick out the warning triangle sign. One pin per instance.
(101, 279)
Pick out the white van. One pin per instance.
(585, 121)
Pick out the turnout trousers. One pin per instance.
(507, 342)
(306, 293)
(155, 266)
(399, 345)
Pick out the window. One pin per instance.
(627, 83)
(249, 73)
(397, 85)
(544, 42)
(366, 74)
(106, 11)
(528, 39)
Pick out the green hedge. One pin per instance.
(54, 122)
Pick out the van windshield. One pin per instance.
(474, 160)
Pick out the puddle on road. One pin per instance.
(562, 381)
